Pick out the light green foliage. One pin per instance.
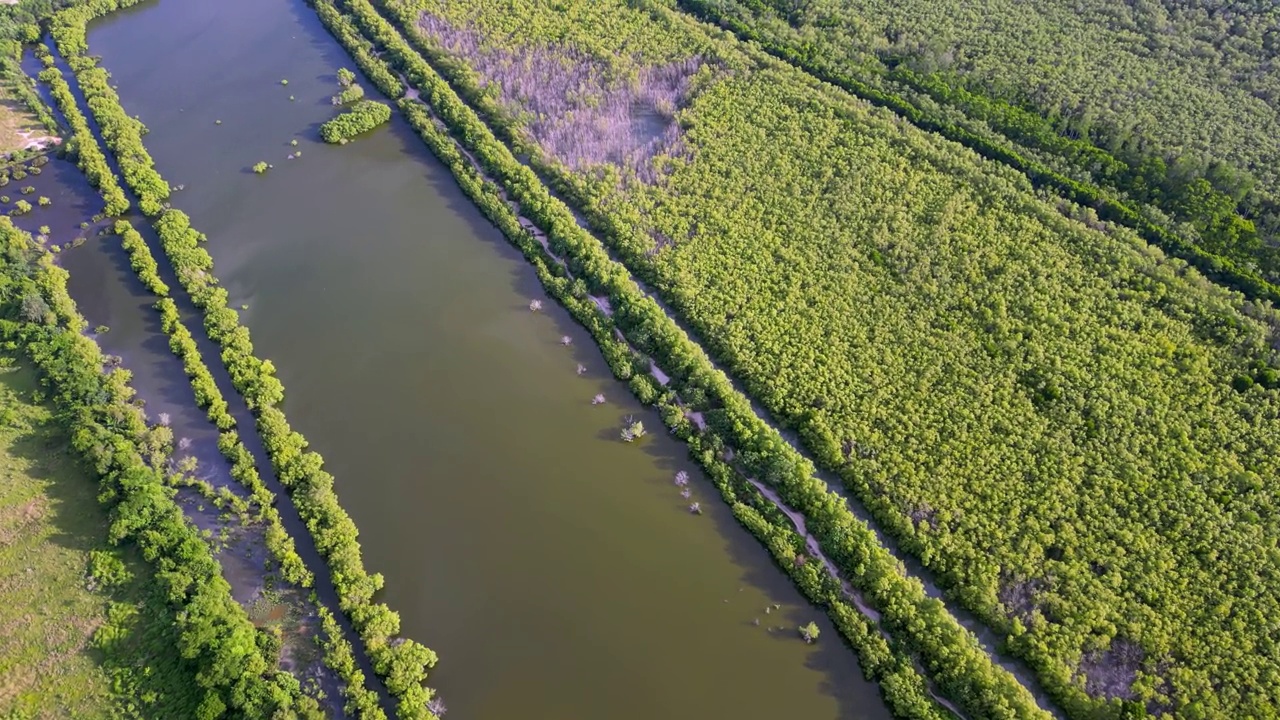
(298, 469)
(22, 207)
(349, 94)
(364, 116)
(90, 157)
(260, 167)
(1069, 429)
(121, 132)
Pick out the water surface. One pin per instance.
(554, 568)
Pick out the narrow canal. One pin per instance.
(554, 568)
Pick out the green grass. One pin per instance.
(70, 646)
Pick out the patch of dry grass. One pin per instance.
(19, 127)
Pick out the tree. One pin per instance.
(809, 632)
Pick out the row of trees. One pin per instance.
(89, 157)
(207, 394)
(209, 398)
(402, 665)
(951, 655)
(964, 358)
(122, 133)
(361, 701)
(364, 116)
(216, 638)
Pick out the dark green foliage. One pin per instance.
(364, 116)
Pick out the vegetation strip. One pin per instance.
(401, 664)
(1234, 238)
(215, 634)
(951, 655)
(89, 157)
(361, 701)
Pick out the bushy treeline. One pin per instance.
(209, 398)
(364, 116)
(18, 83)
(122, 133)
(1222, 242)
(401, 664)
(951, 655)
(84, 146)
(361, 702)
(230, 672)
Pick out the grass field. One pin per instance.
(74, 642)
(18, 126)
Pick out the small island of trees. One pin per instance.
(365, 115)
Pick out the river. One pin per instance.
(554, 568)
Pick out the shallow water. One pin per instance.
(553, 567)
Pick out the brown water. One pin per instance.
(553, 568)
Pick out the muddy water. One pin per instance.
(554, 568)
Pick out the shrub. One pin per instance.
(365, 115)
(350, 94)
